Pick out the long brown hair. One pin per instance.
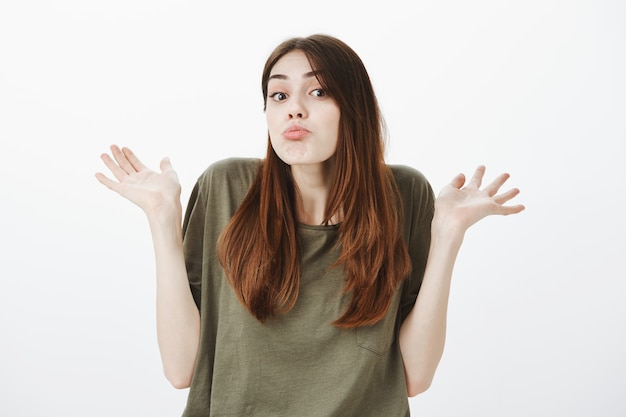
(259, 247)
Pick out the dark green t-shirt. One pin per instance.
(298, 364)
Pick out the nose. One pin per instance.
(297, 109)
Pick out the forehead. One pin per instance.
(291, 65)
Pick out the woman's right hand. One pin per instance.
(157, 194)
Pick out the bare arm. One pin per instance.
(423, 333)
(158, 195)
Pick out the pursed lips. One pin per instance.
(295, 132)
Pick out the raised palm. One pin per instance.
(153, 192)
(459, 206)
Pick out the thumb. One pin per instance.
(166, 164)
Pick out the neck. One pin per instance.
(313, 183)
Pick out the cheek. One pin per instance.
(334, 115)
(270, 120)
(335, 126)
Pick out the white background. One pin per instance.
(537, 88)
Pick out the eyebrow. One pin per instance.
(284, 77)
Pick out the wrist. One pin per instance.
(443, 230)
(167, 217)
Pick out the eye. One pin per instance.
(318, 92)
(278, 96)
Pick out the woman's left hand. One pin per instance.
(458, 207)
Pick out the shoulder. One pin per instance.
(231, 170)
(231, 176)
(233, 166)
(416, 193)
(409, 179)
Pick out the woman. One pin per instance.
(314, 281)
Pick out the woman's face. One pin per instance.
(303, 122)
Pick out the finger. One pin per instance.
(506, 210)
(504, 197)
(477, 178)
(495, 185)
(132, 158)
(119, 173)
(106, 181)
(458, 181)
(122, 160)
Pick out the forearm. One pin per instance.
(178, 319)
(158, 195)
(458, 207)
(423, 333)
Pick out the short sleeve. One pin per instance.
(214, 199)
(193, 239)
(418, 202)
